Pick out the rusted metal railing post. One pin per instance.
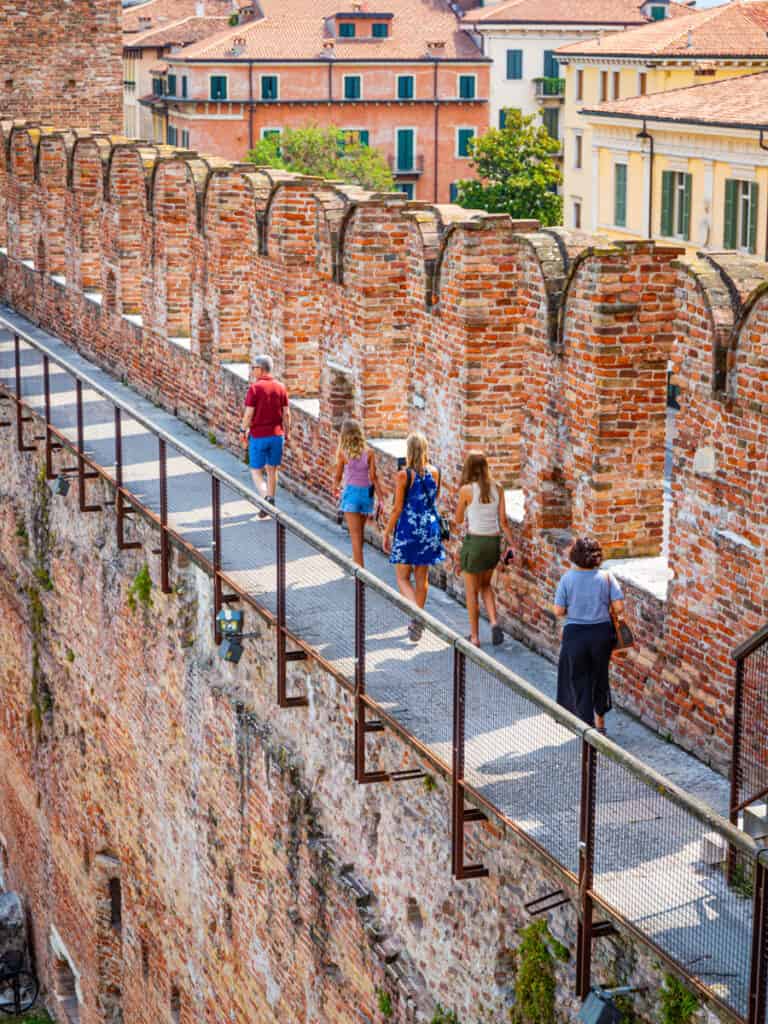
(120, 510)
(21, 419)
(82, 476)
(460, 815)
(50, 445)
(165, 545)
(362, 726)
(738, 728)
(758, 971)
(283, 657)
(586, 868)
(216, 544)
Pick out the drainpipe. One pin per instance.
(645, 134)
(250, 104)
(761, 141)
(435, 129)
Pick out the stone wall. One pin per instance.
(190, 852)
(545, 347)
(62, 62)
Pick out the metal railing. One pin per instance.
(549, 88)
(631, 847)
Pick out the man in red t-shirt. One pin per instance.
(266, 423)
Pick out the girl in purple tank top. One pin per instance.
(356, 466)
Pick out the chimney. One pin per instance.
(436, 46)
(200, 9)
(689, 40)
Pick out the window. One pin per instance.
(603, 86)
(551, 118)
(467, 86)
(115, 904)
(171, 85)
(218, 87)
(352, 90)
(580, 85)
(269, 87)
(355, 137)
(157, 87)
(380, 30)
(185, 138)
(347, 30)
(184, 87)
(676, 204)
(642, 83)
(463, 137)
(620, 195)
(551, 67)
(658, 13)
(740, 215)
(269, 133)
(171, 135)
(616, 84)
(453, 192)
(405, 87)
(577, 213)
(578, 150)
(514, 64)
(405, 187)
(405, 148)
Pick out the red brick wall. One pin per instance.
(548, 352)
(61, 63)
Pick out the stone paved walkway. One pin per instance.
(648, 861)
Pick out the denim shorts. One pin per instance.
(265, 451)
(357, 499)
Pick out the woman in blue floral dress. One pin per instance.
(416, 526)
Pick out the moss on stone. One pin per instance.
(443, 1016)
(140, 591)
(678, 1003)
(384, 1002)
(535, 984)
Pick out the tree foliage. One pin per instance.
(517, 172)
(325, 152)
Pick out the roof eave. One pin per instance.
(677, 121)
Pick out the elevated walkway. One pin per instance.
(638, 822)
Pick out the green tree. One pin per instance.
(517, 172)
(325, 152)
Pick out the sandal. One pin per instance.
(468, 638)
(415, 629)
(497, 635)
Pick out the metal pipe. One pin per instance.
(645, 134)
(761, 143)
(216, 544)
(165, 585)
(586, 869)
(250, 104)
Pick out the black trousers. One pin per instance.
(582, 672)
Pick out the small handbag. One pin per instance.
(625, 638)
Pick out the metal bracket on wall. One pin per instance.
(549, 901)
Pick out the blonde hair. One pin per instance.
(416, 452)
(351, 440)
(476, 470)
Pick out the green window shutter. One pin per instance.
(352, 87)
(502, 119)
(685, 220)
(551, 67)
(464, 135)
(466, 87)
(551, 118)
(347, 30)
(658, 13)
(454, 192)
(753, 204)
(363, 136)
(729, 214)
(269, 87)
(667, 203)
(405, 149)
(184, 86)
(380, 30)
(620, 195)
(218, 87)
(405, 87)
(171, 85)
(514, 64)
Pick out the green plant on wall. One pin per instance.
(140, 591)
(384, 1002)
(442, 1016)
(535, 984)
(678, 1004)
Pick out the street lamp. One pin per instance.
(59, 485)
(599, 1008)
(230, 623)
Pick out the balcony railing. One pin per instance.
(549, 88)
(416, 166)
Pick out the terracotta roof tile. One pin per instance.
(737, 29)
(740, 102)
(297, 30)
(589, 12)
(165, 12)
(177, 33)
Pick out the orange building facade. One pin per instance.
(419, 105)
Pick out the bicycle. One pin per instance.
(18, 986)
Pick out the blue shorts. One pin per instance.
(265, 451)
(357, 499)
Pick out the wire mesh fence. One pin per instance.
(672, 873)
(524, 763)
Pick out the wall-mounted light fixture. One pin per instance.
(599, 1008)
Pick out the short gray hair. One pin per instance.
(264, 363)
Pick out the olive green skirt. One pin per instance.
(479, 554)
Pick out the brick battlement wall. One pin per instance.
(545, 347)
(62, 62)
